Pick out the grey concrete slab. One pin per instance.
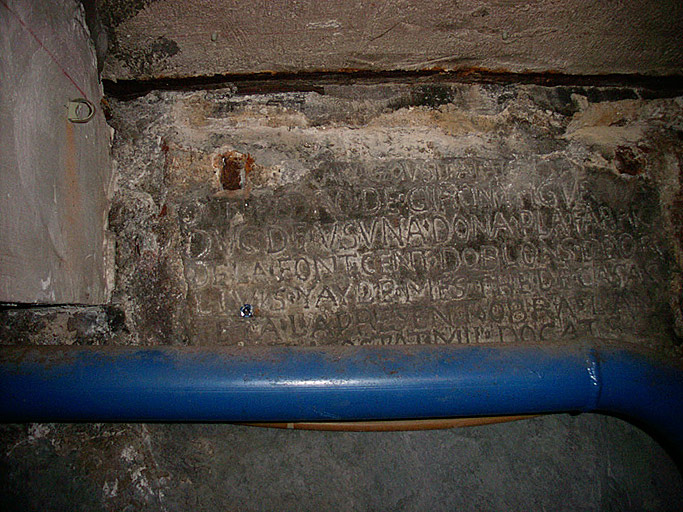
(587, 462)
(180, 38)
(55, 176)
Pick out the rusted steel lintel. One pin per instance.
(314, 81)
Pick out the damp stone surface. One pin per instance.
(397, 214)
(374, 214)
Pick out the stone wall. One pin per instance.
(55, 176)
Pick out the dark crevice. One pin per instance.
(261, 83)
(4, 306)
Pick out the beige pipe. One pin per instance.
(393, 425)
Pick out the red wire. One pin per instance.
(52, 56)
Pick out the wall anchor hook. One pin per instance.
(80, 110)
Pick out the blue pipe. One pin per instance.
(59, 383)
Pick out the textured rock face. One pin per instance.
(386, 213)
(389, 214)
(179, 38)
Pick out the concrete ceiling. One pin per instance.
(181, 38)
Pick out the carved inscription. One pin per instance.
(452, 251)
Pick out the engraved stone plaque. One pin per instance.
(399, 214)
(452, 250)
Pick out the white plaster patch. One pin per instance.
(37, 431)
(45, 283)
(110, 489)
(128, 454)
(316, 25)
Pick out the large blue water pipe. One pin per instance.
(62, 383)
